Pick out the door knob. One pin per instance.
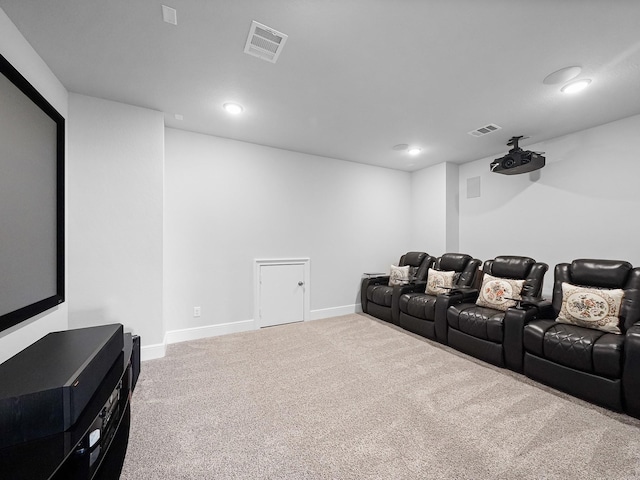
(300, 283)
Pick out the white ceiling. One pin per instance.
(356, 77)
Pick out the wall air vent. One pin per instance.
(169, 15)
(264, 42)
(492, 127)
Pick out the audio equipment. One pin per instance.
(45, 388)
(135, 361)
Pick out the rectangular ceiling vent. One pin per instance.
(169, 15)
(492, 127)
(264, 42)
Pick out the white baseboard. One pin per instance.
(151, 352)
(335, 311)
(196, 333)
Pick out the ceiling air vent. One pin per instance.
(492, 127)
(264, 42)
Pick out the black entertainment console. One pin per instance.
(64, 405)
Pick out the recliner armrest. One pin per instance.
(413, 287)
(514, 321)
(542, 307)
(383, 279)
(631, 370)
(366, 283)
(462, 295)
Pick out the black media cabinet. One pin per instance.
(65, 405)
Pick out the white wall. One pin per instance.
(228, 203)
(434, 209)
(583, 204)
(115, 203)
(21, 55)
(453, 213)
(429, 210)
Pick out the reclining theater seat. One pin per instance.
(418, 309)
(485, 325)
(378, 298)
(570, 345)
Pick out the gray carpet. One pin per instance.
(352, 397)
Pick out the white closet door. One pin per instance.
(281, 293)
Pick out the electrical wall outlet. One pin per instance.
(197, 311)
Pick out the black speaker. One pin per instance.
(45, 388)
(135, 361)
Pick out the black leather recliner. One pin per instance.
(418, 309)
(488, 333)
(381, 300)
(596, 365)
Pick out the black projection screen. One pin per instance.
(31, 200)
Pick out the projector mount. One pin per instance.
(513, 142)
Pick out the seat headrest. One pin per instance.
(453, 261)
(509, 266)
(413, 259)
(600, 273)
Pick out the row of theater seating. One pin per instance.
(601, 366)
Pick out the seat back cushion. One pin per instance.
(419, 263)
(464, 265)
(510, 266)
(519, 268)
(607, 274)
(600, 273)
(452, 261)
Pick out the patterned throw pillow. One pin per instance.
(437, 279)
(591, 307)
(496, 291)
(398, 276)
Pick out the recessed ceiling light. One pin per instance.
(414, 151)
(233, 108)
(178, 116)
(562, 76)
(576, 86)
(400, 147)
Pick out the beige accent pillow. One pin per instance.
(398, 276)
(437, 279)
(597, 308)
(495, 291)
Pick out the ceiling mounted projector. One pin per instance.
(517, 160)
